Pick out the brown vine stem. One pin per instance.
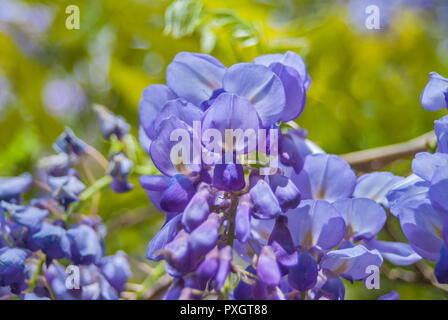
(376, 158)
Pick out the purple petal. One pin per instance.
(53, 241)
(351, 263)
(290, 59)
(267, 268)
(441, 269)
(242, 218)
(422, 225)
(225, 259)
(230, 111)
(438, 192)
(375, 186)
(303, 276)
(180, 109)
(204, 237)
(243, 290)
(260, 86)
(165, 235)
(85, 245)
(11, 188)
(316, 223)
(12, 266)
(29, 216)
(153, 99)
(196, 211)
(410, 189)
(285, 191)
(282, 235)
(425, 164)
(441, 130)
(294, 147)
(434, 96)
(116, 270)
(266, 205)
(363, 217)
(144, 140)
(400, 254)
(326, 177)
(194, 76)
(295, 91)
(333, 289)
(179, 192)
(206, 271)
(228, 177)
(161, 148)
(178, 255)
(393, 295)
(154, 186)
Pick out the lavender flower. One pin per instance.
(62, 97)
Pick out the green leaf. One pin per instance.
(182, 17)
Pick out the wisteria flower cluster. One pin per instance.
(421, 200)
(40, 239)
(232, 230)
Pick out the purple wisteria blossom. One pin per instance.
(435, 95)
(297, 231)
(39, 239)
(421, 200)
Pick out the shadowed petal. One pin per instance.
(441, 269)
(303, 276)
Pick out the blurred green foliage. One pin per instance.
(365, 90)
